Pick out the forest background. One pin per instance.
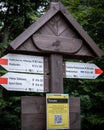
(15, 17)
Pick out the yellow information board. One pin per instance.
(57, 106)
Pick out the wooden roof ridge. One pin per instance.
(54, 8)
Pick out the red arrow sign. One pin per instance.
(98, 71)
(82, 70)
(23, 63)
(23, 82)
(3, 61)
(3, 80)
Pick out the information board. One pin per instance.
(82, 70)
(23, 63)
(22, 82)
(57, 106)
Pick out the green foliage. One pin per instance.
(2, 48)
(10, 113)
(15, 16)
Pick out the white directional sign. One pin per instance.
(22, 63)
(82, 70)
(23, 82)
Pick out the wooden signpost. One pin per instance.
(82, 70)
(23, 63)
(38, 54)
(26, 73)
(23, 82)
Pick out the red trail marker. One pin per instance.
(3, 80)
(3, 61)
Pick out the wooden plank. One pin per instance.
(74, 113)
(35, 104)
(57, 44)
(57, 24)
(68, 32)
(52, 24)
(33, 121)
(28, 46)
(62, 27)
(33, 113)
(85, 51)
(74, 120)
(62, 24)
(45, 30)
(74, 104)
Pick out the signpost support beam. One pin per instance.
(56, 75)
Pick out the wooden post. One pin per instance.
(56, 74)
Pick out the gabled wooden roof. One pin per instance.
(54, 8)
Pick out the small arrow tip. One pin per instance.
(98, 71)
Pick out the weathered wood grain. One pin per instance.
(57, 44)
(56, 73)
(33, 113)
